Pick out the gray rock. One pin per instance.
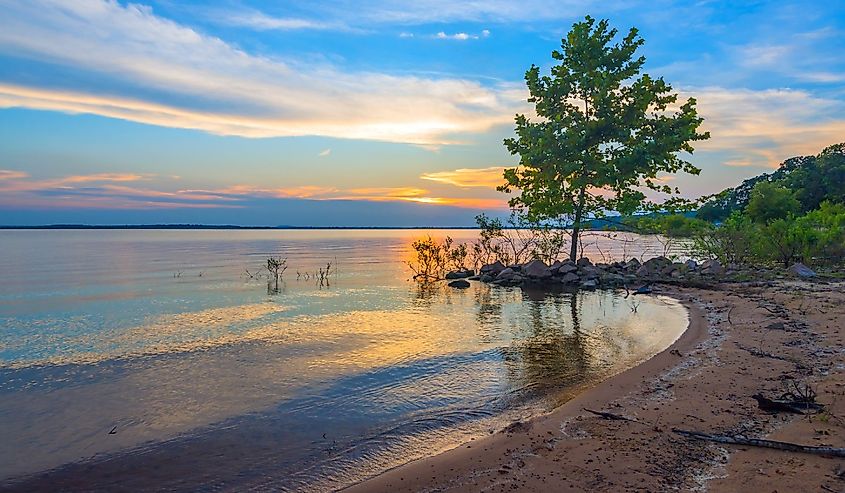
(691, 264)
(555, 265)
(567, 267)
(537, 269)
(493, 269)
(486, 278)
(589, 284)
(458, 274)
(506, 273)
(459, 283)
(632, 265)
(589, 272)
(711, 266)
(801, 270)
(583, 262)
(570, 278)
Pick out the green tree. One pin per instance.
(771, 201)
(605, 132)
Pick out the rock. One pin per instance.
(506, 273)
(589, 272)
(493, 269)
(567, 267)
(712, 266)
(459, 283)
(459, 274)
(474, 278)
(691, 264)
(555, 265)
(537, 269)
(583, 262)
(632, 265)
(570, 278)
(486, 278)
(654, 266)
(801, 270)
(589, 284)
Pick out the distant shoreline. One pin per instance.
(222, 226)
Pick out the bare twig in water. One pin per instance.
(759, 442)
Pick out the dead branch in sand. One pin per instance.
(759, 442)
(610, 416)
(764, 354)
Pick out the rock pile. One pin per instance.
(586, 275)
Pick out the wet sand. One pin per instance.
(704, 382)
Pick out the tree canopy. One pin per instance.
(604, 134)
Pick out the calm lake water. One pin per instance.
(152, 360)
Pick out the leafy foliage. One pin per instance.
(605, 132)
(770, 201)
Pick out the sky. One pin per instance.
(356, 113)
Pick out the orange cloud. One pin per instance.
(469, 177)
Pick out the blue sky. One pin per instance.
(363, 113)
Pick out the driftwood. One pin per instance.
(764, 354)
(759, 442)
(610, 416)
(771, 406)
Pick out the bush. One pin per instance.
(730, 243)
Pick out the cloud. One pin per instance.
(125, 191)
(325, 152)
(404, 34)
(191, 80)
(469, 177)
(259, 21)
(762, 128)
(10, 174)
(457, 36)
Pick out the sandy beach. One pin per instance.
(743, 339)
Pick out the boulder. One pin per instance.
(555, 265)
(589, 272)
(506, 273)
(493, 269)
(654, 266)
(570, 278)
(486, 278)
(632, 265)
(567, 267)
(537, 269)
(712, 267)
(691, 264)
(801, 270)
(459, 283)
(459, 274)
(583, 262)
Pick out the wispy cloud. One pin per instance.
(456, 36)
(134, 191)
(259, 21)
(762, 128)
(325, 152)
(224, 90)
(469, 177)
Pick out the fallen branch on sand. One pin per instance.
(764, 354)
(610, 416)
(759, 442)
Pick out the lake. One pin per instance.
(157, 359)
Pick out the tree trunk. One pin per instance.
(576, 226)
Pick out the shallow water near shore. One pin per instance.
(153, 360)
